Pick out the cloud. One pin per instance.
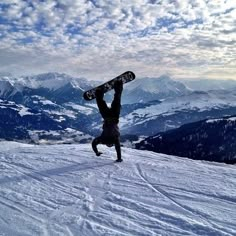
(101, 38)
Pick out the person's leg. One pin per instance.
(102, 106)
(116, 103)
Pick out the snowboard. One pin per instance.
(125, 77)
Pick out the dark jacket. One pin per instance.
(110, 129)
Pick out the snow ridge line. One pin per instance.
(215, 228)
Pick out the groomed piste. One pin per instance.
(67, 190)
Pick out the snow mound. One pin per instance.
(67, 190)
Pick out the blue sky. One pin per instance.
(103, 38)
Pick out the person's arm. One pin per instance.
(95, 142)
(118, 149)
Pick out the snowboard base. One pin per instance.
(125, 78)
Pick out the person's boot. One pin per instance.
(99, 93)
(118, 86)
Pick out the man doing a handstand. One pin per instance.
(110, 134)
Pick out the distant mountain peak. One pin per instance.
(164, 77)
(51, 75)
(150, 88)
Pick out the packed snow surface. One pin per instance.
(67, 190)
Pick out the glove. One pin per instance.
(99, 154)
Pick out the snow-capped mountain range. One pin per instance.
(174, 112)
(149, 106)
(53, 86)
(143, 90)
(66, 190)
(149, 89)
(52, 81)
(209, 84)
(57, 97)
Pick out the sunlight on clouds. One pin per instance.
(191, 38)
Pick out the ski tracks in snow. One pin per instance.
(204, 224)
(67, 190)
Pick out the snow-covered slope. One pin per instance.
(66, 190)
(174, 112)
